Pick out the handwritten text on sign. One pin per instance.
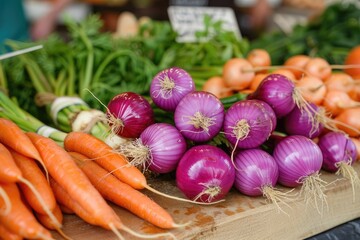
(186, 21)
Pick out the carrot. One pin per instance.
(64, 170)
(31, 171)
(123, 195)
(12, 136)
(69, 177)
(110, 221)
(11, 173)
(114, 162)
(5, 203)
(46, 221)
(8, 235)
(20, 220)
(286, 72)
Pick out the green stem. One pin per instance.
(84, 84)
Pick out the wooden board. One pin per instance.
(239, 217)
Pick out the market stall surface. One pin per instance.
(238, 217)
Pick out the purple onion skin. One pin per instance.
(199, 102)
(277, 91)
(255, 169)
(270, 112)
(257, 117)
(205, 165)
(297, 157)
(166, 145)
(169, 99)
(133, 110)
(298, 122)
(336, 148)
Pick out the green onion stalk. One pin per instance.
(57, 92)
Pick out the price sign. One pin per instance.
(186, 21)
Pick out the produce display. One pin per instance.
(215, 116)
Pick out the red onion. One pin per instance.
(256, 170)
(159, 148)
(205, 173)
(306, 123)
(247, 124)
(299, 160)
(297, 157)
(339, 153)
(199, 116)
(169, 86)
(129, 114)
(279, 92)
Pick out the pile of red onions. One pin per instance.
(199, 116)
(169, 86)
(205, 173)
(129, 114)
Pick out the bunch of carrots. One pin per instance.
(335, 88)
(40, 180)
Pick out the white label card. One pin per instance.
(186, 21)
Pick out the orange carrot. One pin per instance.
(5, 203)
(64, 170)
(67, 200)
(47, 222)
(11, 173)
(106, 157)
(12, 136)
(110, 221)
(8, 235)
(20, 220)
(31, 171)
(312, 88)
(122, 194)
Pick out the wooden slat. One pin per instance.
(239, 217)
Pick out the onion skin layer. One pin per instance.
(205, 166)
(297, 157)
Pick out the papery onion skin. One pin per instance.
(297, 157)
(256, 116)
(167, 98)
(277, 91)
(166, 145)
(336, 147)
(255, 169)
(202, 166)
(206, 104)
(133, 110)
(298, 122)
